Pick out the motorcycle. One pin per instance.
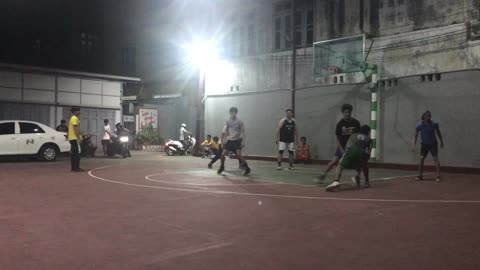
(176, 148)
(118, 146)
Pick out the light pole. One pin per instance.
(201, 54)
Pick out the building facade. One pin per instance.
(47, 95)
(427, 54)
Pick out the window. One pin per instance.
(29, 128)
(309, 27)
(303, 18)
(278, 33)
(240, 40)
(128, 58)
(251, 39)
(7, 128)
(87, 43)
(288, 32)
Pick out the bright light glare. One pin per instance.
(202, 54)
(219, 77)
(219, 74)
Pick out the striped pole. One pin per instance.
(374, 111)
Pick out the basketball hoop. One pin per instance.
(331, 70)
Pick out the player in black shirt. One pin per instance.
(345, 127)
(286, 138)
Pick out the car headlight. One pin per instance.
(124, 139)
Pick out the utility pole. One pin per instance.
(294, 55)
(200, 106)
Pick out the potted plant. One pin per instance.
(148, 139)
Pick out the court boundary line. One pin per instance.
(222, 192)
(270, 183)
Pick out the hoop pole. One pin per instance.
(374, 112)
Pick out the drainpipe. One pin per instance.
(294, 56)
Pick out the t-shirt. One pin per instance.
(287, 130)
(233, 129)
(359, 141)
(74, 121)
(106, 135)
(182, 133)
(62, 128)
(345, 128)
(206, 142)
(427, 130)
(215, 145)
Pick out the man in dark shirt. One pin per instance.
(357, 154)
(63, 126)
(286, 138)
(344, 129)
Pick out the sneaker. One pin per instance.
(419, 178)
(291, 168)
(220, 171)
(367, 185)
(247, 171)
(279, 168)
(209, 165)
(438, 179)
(333, 186)
(319, 179)
(356, 180)
(78, 170)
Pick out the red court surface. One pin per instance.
(155, 212)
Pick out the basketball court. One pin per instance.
(158, 212)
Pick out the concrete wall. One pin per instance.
(171, 114)
(452, 99)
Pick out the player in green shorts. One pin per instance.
(355, 157)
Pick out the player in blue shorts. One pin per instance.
(429, 131)
(345, 127)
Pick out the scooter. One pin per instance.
(118, 146)
(176, 148)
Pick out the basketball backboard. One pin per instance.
(339, 56)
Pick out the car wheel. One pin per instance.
(48, 153)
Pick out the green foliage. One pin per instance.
(148, 136)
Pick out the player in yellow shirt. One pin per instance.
(75, 138)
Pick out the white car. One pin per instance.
(21, 138)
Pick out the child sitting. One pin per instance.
(206, 146)
(303, 151)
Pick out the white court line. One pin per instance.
(190, 251)
(269, 182)
(90, 173)
(149, 178)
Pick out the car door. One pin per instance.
(30, 139)
(8, 139)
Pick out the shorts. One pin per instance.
(354, 158)
(429, 148)
(338, 153)
(282, 146)
(233, 145)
